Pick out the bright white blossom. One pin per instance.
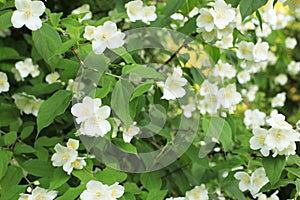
(188, 109)
(254, 118)
(52, 78)
(107, 36)
(229, 96)
(281, 79)
(38, 194)
(4, 84)
(224, 70)
(279, 100)
(245, 180)
(261, 51)
(129, 133)
(28, 104)
(243, 77)
(28, 13)
(245, 50)
(293, 68)
(198, 193)
(278, 121)
(173, 87)
(135, 10)
(149, 14)
(89, 32)
(290, 43)
(258, 141)
(205, 19)
(272, 197)
(98, 190)
(26, 67)
(85, 8)
(222, 14)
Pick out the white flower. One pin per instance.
(245, 180)
(98, 190)
(26, 67)
(85, 8)
(149, 14)
(229, 96)
(17, 75)
(254, 118)
(225, 42)
(223, 14)
(258, 180)
(193, 12)
(4, 84)
(272, 58)
(135, 10)
(64, 156)
(272, 197)
(251, 93)
(129, 133)
(107, 36)
(294, 68)
(175, 198)
(224, 70)
(278, 121)
(279, 100)
(205, 20)
(24, 196)
(28, 13)
(97, 125)
(280, 139)
(173, 87)
(41, 193)
(243, 77)
(36, 106)
(89, 32)
(290, 43)
(52, 78)
(79, 163)
(265, 32)
(258, 141)
(261, 51)
(245, 50)
(198, 193)
(188, 109)
(281, 79)
(86, 109)
(208, 88)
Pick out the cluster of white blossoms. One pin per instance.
(198, 193)
(28, 13)
(173, 86)
(67, 157)
(38, 194)
(215, 98)
(105, 36)
(24, 68)
(137, 11)
(252, 183)
(84, 9)
(218, 23)
(280, 139)
(254, 118)
(4, 84)
(27, 103)
(98, 190)
(278, 100)
(92, 117)
(52, 78)
(265, 197)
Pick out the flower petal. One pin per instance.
(33, 23)
(18, 19)
(37, 7)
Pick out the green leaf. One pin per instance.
(74, 28)
(8, 113)
(10, 138)
(213, 52)
(53, 107)
(12, 177)
(151, 181)
(120, 101)
(21, 148)
(26, 132)
(132, 188)
(121, 51)
(297, 184)
(145, 72)
(173, 6)
(126, 147)
(38, 168)
(13, 192)
(4, 161)
(157, 195)
(141, 89)
(46, 141)
(65, 46)
(47, 41)
(59, 178)
(109, 176)
(273, 167)
(83, 175)
(294, 171)
(247, 7)
(5, 19)
(7, 53)
(234, 3)
(72, 193)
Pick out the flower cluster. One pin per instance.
(98, 190)
(52, 78)
(24, 68)
(105, 36)
(137, 11)
(280, 138)
(92, 117)
(198, 193)
(27, 103)
(67, 157)
(254, 182)
(39, 193)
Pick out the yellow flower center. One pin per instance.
(196, 195)
(1, 82)
(27, 13)
(76, 163)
